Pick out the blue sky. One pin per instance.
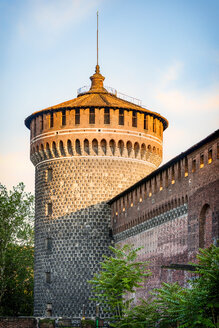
(165, 53)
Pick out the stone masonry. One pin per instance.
(85, 151)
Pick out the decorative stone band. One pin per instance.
(88, 149)
(101, 157)
(155, 221)
(86, 131)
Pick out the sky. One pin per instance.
(165, 53)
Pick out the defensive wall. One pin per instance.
(85, 151)
(171, 212)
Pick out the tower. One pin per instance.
(85, 151)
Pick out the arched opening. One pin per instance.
(78, 146)
(103, 146)
(86, 147)
(129, 148)
(69, 147)
(143, 151)
(95, 146)
(48, 150)
(205, 227)
(61, 148)
(42, 151)
(136, 149)
(149, 148)
(54, 149)
(154, 150)
(121, 147)
(112, 145)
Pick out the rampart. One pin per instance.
(172, 212)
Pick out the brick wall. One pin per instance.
(79, 166)
(10, 322)
(171, 213)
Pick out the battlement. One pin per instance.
(168, 187)
(97, 132)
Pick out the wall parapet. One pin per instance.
(167, 187)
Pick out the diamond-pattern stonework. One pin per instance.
(78, 228)
(86, 151)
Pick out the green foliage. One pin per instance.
(87, 323)
(18, 296)
(120, 275)
(144, 315)
(16, 251)
(196, 306)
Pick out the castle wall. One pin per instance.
(171, 213)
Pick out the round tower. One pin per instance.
(85, 151)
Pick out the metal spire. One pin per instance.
(97, 66)
(97, 38)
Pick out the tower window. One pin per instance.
(41, 123)
(134, 119)
(173, 175)
(179, 170)
(145, 122)
(161, 181)
(106, 116)
(160, 129)
(64, 117)
(166, 179)
(48, 277)
(121, 117)
(193, 165)
(92, 116)
(49, 309)
(154, 125)
(48, 244)
(209, 156)
(49, 208)
(77, 116)
(201, 161)
(186, 167)
(34, 127)
(51, 120)
(49, 174)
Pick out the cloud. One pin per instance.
(172, 73)
(192, 113)
(187, 101)
(177, 98)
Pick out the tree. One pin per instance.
(144, 315)
(120, 275)
(196, 306)
(16, 247)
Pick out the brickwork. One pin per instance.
(85, 151)
(10, 322)
(172, 212)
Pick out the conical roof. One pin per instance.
(97, 96)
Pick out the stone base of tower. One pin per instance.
(78, 242)
(72, 227)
